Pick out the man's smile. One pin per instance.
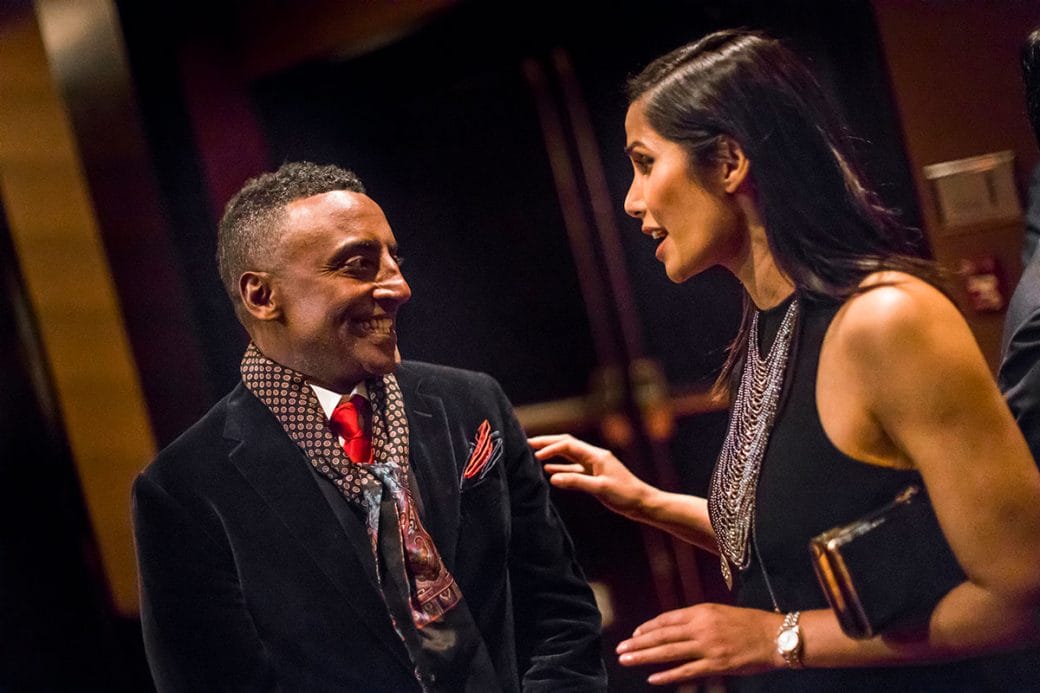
(381, 325)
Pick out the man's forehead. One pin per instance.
(317, 222)
(339, 202)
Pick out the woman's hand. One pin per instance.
(593, 470)
(706, 640)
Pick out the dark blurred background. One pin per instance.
(491, 132)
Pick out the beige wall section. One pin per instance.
(68, 281)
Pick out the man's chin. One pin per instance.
(362, 369)
(382, 366)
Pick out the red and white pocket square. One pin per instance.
(484, 451)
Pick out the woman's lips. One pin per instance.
(659, 235)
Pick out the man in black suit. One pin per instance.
(1019, 374)
(408, 544)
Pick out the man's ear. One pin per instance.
(258, 295)
(734, 164)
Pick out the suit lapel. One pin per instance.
(279, 472)
(433, 463)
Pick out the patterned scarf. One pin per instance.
(433, 590)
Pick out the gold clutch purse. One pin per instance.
(888, 568)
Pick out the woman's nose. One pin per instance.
(634, 206)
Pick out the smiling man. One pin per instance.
(341, 521)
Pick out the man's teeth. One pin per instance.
(658, 234)
(378, 325)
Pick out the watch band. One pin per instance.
(791, 652)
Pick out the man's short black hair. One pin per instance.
(252, 220)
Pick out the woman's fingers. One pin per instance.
(683, 672)
(539, 442)
(568, 444)
(577, 482)
(708, 638)
(576, 475)
(664, 645)
(555, 449)
(558, 468)
(658, 637)
(660, 643)
(668, 618)
(586, 468)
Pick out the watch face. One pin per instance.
(787, 641)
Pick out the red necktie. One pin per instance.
(348, 422)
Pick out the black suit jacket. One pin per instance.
(253, 579)
(1019, 374)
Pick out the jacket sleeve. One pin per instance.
(1019, 378)
(557, 620)
(198, 634)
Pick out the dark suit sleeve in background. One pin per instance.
(557, 621)
(1019, 375)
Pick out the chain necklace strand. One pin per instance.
(731, 501)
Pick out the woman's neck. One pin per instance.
(765, 283)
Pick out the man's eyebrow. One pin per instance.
(359, 245)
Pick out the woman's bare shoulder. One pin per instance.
(897, 312)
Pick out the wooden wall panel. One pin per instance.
(957, 86)
(69, 285)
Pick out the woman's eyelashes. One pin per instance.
(642, 163)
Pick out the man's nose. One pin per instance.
(391, 286)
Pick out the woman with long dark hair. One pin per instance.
(852, 376)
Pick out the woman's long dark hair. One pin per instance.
(825, 228)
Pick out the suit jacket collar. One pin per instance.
(434, 464)
(279, 472)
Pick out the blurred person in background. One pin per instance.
(1019, 374)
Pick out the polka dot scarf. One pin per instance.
(287, 394)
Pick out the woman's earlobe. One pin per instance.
(735, 165)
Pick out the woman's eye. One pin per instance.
(642, 164)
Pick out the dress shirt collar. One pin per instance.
(330, 399)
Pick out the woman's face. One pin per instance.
(696, 221)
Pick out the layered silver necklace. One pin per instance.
(731, 502)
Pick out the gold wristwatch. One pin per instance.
(789, 640)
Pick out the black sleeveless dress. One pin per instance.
(807, 486)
